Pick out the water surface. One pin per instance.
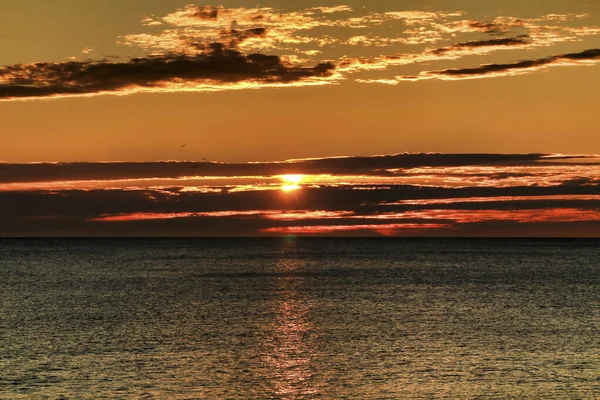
(299, 318)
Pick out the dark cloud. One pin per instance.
(486, 27)
(375, 165)
(231, 37)
(521, 40)
(591, 54)
(93, 203)
(76, 212)
(237, 36)
(581, 181)
(416, 191)
(217, 65)
(207, 12)
(492, 68)
(506, 69)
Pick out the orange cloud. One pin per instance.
(473, 216)
(383, 229)
(153, 216)
(278, 215)
(206, 48)
(453, 52)
(391, 195)
(300, 215)
(583, 197)
(360, 173)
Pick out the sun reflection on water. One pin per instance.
(289, 349)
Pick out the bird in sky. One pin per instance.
(183, 145)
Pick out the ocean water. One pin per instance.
(299, 319)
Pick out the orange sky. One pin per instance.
(239, 82)
(549, 108)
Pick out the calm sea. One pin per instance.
(300, 319)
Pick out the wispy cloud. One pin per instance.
(206, 48)
(587, 57)
(453, 52)
(522, 40)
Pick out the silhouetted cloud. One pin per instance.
(238, 36)
(522, 40)
(207, 12)
(319, 210)
(452, 52)
(217, 67)
(402, 194)
(384, 165)
(487, 27)
(586, 57)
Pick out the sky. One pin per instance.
(372, 118)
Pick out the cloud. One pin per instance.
(417, 17)
(207, 12)
(587, 57)
(150, 21)
(334, 9)
(237, 36)
(285, 30)
(477, 44)
(206, 48)
(480, 26)
(318, 210)
(208, 16)
(401, 194)
(431, 27)
(217, 68)
(382, 229)
(278, 30)
(452, 52)
(403, 164)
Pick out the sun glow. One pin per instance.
(289, 188)
(291, 182)
(292, 178)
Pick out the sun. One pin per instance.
(291, 182)
(289, 188)
(292, 178)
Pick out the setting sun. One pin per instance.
(289, 188)
(292, 178)
(291, 182)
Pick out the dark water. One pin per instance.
(294, 319)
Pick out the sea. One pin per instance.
(300, 318)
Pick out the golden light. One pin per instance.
(289, 188)
(291, 182)
(292, 178)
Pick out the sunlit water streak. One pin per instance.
(299, 318)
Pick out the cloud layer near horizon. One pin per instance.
(404, 195)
